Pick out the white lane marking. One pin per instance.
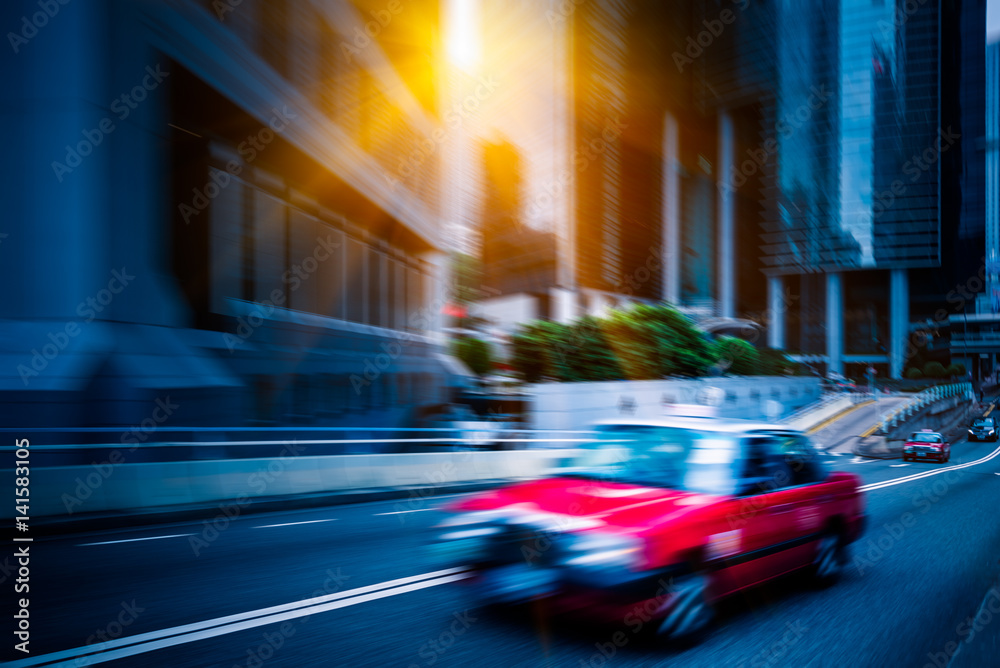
(896, 466)
(145, 642)
(859, 460)
(262, 621)
(830, 461)
(291, 524)
(928, 474)
(132, 540)
(400, 512)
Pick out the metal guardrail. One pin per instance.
(921, 399)
(78, 446)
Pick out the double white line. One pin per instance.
(179, 635)
(927, 474)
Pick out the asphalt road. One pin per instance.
(837, 434)
(236, 594)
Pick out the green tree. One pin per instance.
(588, 355)
(475, 353)
(737, 356)
(957, 370)
(539, 351)
(775, 362)
(686, 350)
(934, 370)
(639, 348)
(913, 373)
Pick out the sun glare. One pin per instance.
(462, 38)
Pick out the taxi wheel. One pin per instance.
(831, 558)
(689, 613)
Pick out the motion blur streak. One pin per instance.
(148, 642)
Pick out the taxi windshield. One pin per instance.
(924, 437)
(675, 458)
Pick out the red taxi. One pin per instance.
(654, 521)
(926, 444)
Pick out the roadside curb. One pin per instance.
(833, 418)
(62, 525)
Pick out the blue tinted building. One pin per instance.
(233, 204)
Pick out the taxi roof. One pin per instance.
(717, 424)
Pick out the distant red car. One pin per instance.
(656, 520)
(926, 444)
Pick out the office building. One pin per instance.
(230, 204)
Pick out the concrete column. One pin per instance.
(671, 245)
(776, 309)
(563, 305)
(727, 268)
(436, 294)
(835, 323)
(899, 319)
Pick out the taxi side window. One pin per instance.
(764, 469)
(801, 459)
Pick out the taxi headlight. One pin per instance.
(595, 549)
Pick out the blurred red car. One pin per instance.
(657, 520)
(926, 444)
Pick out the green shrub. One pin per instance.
(957, 370)
(640, 343)
(588, 355)
(913, 373)
(475, 353)
(737, 356)
(536, 351)
(934, 370)
(775, 363)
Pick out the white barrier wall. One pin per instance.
(576, 405)
(72, 490)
